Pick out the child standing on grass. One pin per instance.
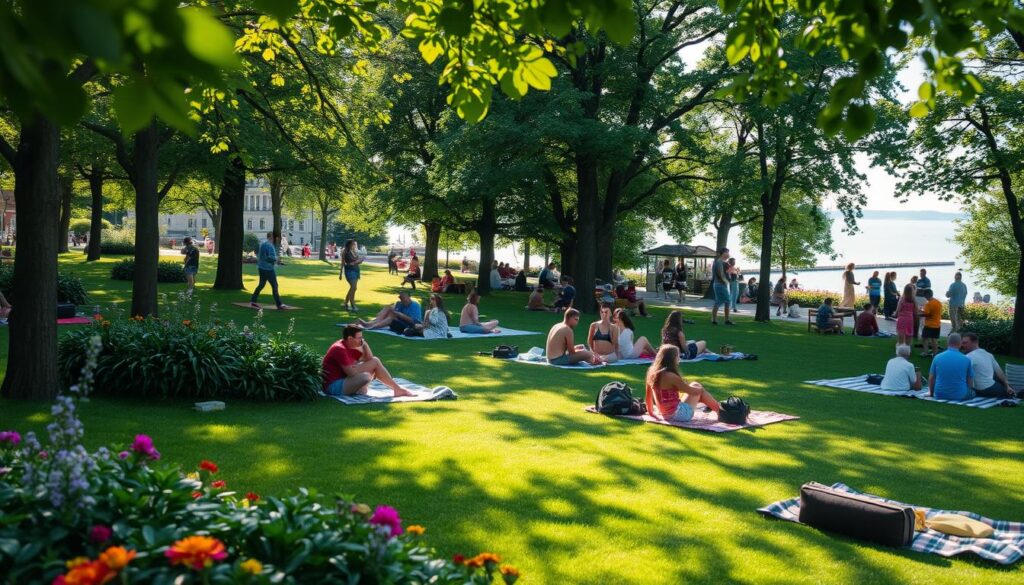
(191, 254)
(668, 395)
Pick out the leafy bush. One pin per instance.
(815, 298)
(993, 335)
(987, 312)
(166, 271)
(250, 243)
(69, 286)
(74, 516)
(82, 226)
(117, 242)
(179, 355)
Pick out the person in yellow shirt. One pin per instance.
(932, 313)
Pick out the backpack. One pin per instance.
(617, 398)
(505, 351)
(734, 411)
(521, 282)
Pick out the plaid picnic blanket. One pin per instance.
(1005, 546)
(378, 393)
(705, 420)
(859, 384)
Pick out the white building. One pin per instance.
(257, 218)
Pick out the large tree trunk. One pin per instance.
(433, 230)
(770, 208)
(526, 256)
(604, 252)
(567, 256)
(96, 219)
(1017, 339)
(32, 345)
(324, 217)
(487, 229)
(724, 226)
(586, 232)
(230, 234)
(147, 219)
(276, 197)
(66, 193)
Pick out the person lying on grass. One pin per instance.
(628, 348)
(670, 397)
(672, 334)
(469, 320)
(404, 314)
(561, 349)
(349, 366)
(603, 337)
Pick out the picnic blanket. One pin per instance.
(536, 356)
(378, 393)
(266, 306)
(1005, 546)
(74, 321)
(455, 333)
(859, 383)
(705, 420)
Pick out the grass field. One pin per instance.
(516, 467)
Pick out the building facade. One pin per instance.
(257, 219)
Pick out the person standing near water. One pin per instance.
(875, 290)
(350, 270)
(849, 296)
(957, 294)
(892, 295)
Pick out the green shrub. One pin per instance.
(816, 298)
(180, 355)
(117, 242)
(166, 271)
(250, 243)
(82, 226)
(69, 286)
(128, 515)
(986, 312)
(993, 335)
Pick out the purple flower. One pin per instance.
(99, 534)
(124, 455)
(143, 445)
(388, 517)
(12, 438)
(44, 455)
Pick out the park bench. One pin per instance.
(842, 314)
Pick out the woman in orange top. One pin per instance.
(668, 395)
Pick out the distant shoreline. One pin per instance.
(864, 266)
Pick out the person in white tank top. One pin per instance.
(628, 348)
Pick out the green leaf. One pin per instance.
(207, 39)
(96, 31)
(620, 23)
(859, 120)
(457, 20)
(279, 8)
(430, 50)
(926, 91)
(513, 84)
(341, 24)
(919, 110)
(132, 106)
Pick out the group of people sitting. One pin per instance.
(611, 338)
(565, 296)
(962, 372)
(503, 276)
(406, 317)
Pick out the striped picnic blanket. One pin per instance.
(705, 420)
(1005, 546)
(378, 393)
(455, 333)
(859, 383)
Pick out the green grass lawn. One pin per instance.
(516, 466)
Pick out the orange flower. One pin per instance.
(106, 323)
(186, 323)
(88, 573)
(415, 529)
(509, 574)
(474, 563)
(486, 557)
(138, 318)
(197, 495)
(76, 561)
(196, 552)
(117, 557)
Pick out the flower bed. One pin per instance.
(182, 355)
(71, 516)
(816, 298)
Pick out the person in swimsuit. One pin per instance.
(560, 348)
(469, 319)
(628, 348)
(672, 334)
(668, 395)
(603, 337)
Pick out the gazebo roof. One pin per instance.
(682, 250)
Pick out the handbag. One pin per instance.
(856, 516)
(875, 379)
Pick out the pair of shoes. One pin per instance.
(714, 322)
(729, 322)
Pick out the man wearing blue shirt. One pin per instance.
(404, 314)
(951, 375)
(875, 290)
(266, 259)
(826, 318)
(957, 295)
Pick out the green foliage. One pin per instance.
(120, 241)
(180, 355)
(166, 271)
(250, 243)
(81, 227)
(815, 298)
(339, 233)
(994, 335)
(987, 244)
(69, 286)
(802, 231)
(987, 312)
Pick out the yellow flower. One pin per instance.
(361, 509)
(415, 529)
(252, 566)
(117, 557)
(76, 561)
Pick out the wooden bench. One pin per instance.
(842, 314)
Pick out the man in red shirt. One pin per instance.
(866, 324)
(350, 366)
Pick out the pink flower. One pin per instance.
(143, 445)
(10, 437)
(124, 455)
(99, 534)
(387, 516)
(44, 455)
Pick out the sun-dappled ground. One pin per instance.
(516, 467)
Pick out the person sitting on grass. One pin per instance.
(932, 313)
(827, 320)
(567, 294)
(547, 278)
(349, 366)
(469, 320)
(628, 348)
(603, 337)
(866, 324)
(404, 314)
(560, 348)
(900, 374)
(536, 301)
(989, 379)
(435, 321)
(670, 397)
(952, 374)
(630, 301)
(672, 334)
(413, 274)
(495, 277)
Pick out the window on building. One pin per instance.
(291, 224)
(263, 223)
(248, 225)
(204, 222)
(266, 203)
(301, 228)
(168, 220)
(191, 223)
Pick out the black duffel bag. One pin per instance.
(617, 398)
(734, 411)
(856, 516)
(66, 310)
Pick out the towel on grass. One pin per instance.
(266, 307)
(859, 384)
(714, 357)
(705, 420)
(1005, 546)
(455, 333)
(378, 393)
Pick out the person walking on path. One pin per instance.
(875, 290)
(957, 295)
(266, 260)
(720, 286)
(892, 296)
(191, 254)
(350, 261)
(849, 296)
